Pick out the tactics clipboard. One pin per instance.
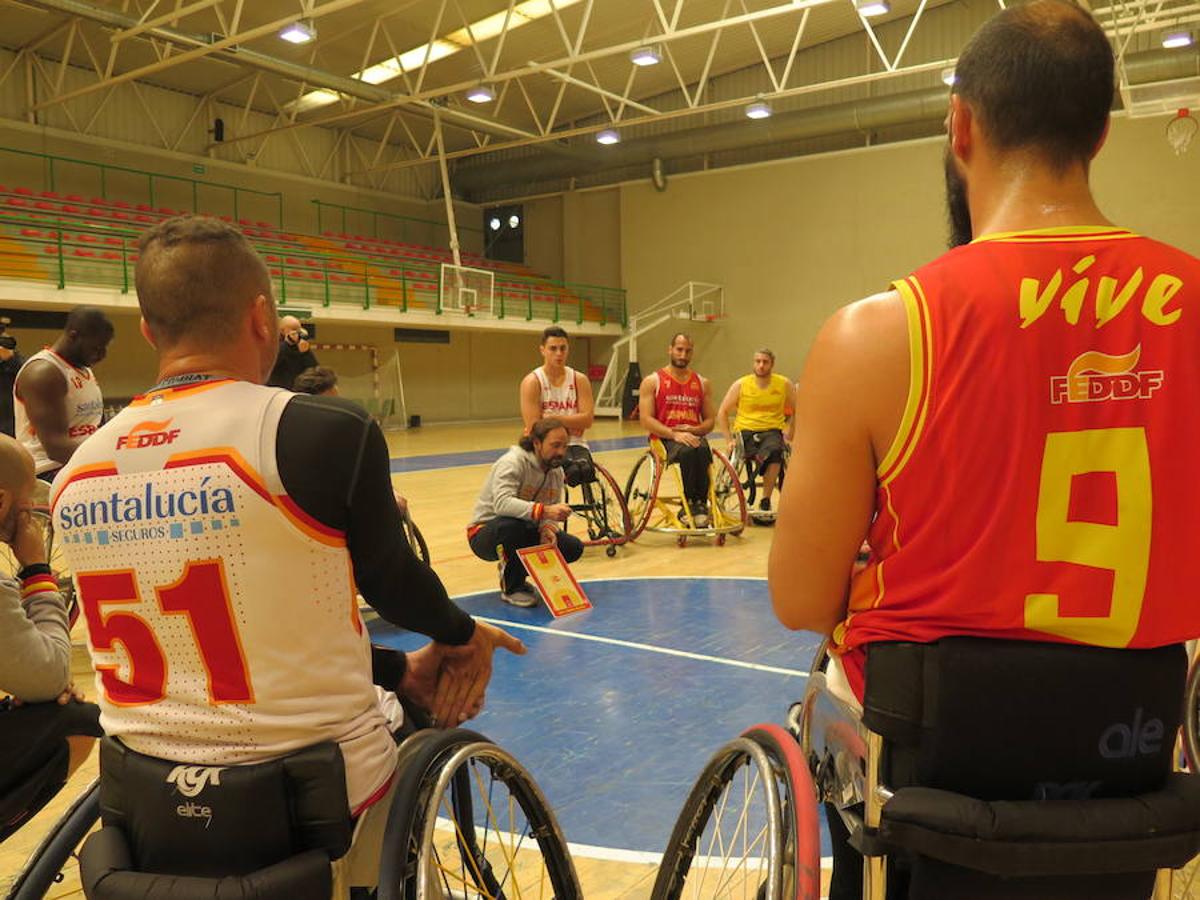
(554, 580)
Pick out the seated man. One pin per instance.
(320, 381)
(556, 390)
(1005, 491)
(521, 506)
(675, 404)
(44, 713)
(253, 514)
(763, 402)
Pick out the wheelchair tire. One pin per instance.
(791, 845)
(729, 499)
(1191, 718)
(416, 539)
(607, 516)
(641, 491)
(61, 843)
(429, 764)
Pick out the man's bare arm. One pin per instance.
(708, 411)
(789, 412)
(43, 390)
(531, 400)
(848, 408)
(579, 422)
(728, 405)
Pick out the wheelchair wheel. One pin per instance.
(749, 826)
(54, 556)
(729, 502)
(1191, 718)
(59, 848)
(641, 489)
(467, 820)
(604, 511)
(415, 538)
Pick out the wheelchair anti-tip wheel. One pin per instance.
(468, 821)
(748, 828)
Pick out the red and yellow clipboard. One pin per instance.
(554, 581)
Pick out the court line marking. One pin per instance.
(651, 648)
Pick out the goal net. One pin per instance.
(467, 290)
(373, 383)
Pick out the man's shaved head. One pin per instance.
(16, 465)
(196, 277)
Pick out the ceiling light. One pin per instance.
(514, 221)
(869, 8)
(608, 136)
(646, 56)
(494, 223)
(759, 109)
(1172, 40)
(299, 32)
(948, 77)
(481, 93)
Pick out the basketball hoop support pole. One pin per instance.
(450, 222)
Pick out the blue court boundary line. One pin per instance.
(487, 457)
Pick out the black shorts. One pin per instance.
(578, 468)
(765, 446)
(30, 735)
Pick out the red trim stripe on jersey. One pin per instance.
(96, 470)
(178, 391)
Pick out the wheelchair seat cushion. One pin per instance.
(1064, 837)
(1020, 720)
(229, 820)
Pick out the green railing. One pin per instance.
(73, 248)
(53, 167)
(329, 213)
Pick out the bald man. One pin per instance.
(43, 720)
(294, 354)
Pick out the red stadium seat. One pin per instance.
(51, 195)
(108, 254)
(73, 198)
(143, 218)
(88, 238)
(17, 201)
(30, 233)
(113, 241)
(144, 207)
(267, 225)
(69, 208)
(23, 190)
(83, 251)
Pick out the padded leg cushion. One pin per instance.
(1060, 837)
(104, 870)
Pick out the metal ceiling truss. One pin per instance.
(410, 108)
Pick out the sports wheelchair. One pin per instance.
(466, 819)
(749, 470)
(651, 508)
(599, 503)
(940, 799)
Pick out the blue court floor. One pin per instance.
(616, 710)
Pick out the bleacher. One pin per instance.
(72, 239)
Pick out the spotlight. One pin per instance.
(1173, 40)
(514, 221)
(299, 32)
(608, 136)
(494, 224)
(481, 93)
(649, 55)
(758, 110)
(948, 77)
(869, 8)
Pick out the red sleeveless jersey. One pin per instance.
(678, 403)
(1041, 486)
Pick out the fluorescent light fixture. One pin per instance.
(649, 55)
(759, 109)
(299, 32)
(948, 77)
(514, 221)
(481, 93)
(1173, 40)
(487, 28)
(608, 136)
(494, 223)
(869, 8)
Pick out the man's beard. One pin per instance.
(957, 211)
(678, 364)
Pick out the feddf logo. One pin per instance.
(148, 434)
(1094, 376)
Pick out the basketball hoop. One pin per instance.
(1181, 130)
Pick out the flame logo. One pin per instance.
(149, 426)
(1093, 362)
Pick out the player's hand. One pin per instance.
(421, 670)
(302, 345)
(686, 437)
(466, 671)
(557, 512)
(729, 446)
(71, 693)
(28, 541)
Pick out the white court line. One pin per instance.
(652, 648)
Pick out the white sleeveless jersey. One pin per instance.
(85, 408)
(223, 623)
(561, 400)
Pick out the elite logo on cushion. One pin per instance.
(148, 434)
(1095, 376)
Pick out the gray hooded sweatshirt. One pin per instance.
(517, 487)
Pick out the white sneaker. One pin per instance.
(523, 596)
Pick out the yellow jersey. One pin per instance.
(762, 409)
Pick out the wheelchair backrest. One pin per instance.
(1021, 720)
(213, 821)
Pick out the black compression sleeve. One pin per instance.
(333, 462)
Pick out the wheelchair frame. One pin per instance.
(594, 512)
(651, 511)
(750, 477)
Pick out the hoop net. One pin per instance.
(467, 290)
(1181, 130)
